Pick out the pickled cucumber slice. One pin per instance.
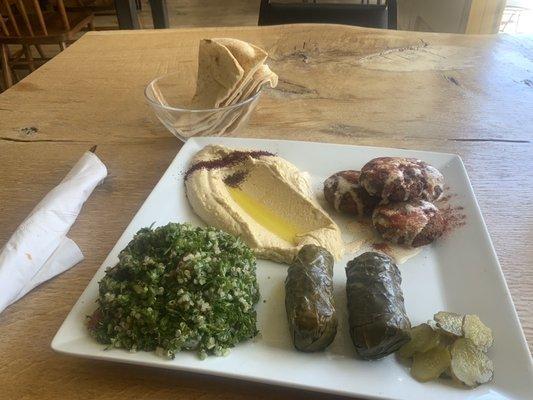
(431, 364)
(469, 364)
(447, 373)
(450, 322)
(423, 338)
(479, 333)
(433, 324)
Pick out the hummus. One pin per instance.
(261, 198)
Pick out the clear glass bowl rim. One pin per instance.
(157, 104)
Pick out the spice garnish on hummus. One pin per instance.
(262, 198)
(232, 158)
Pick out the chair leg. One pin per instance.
(29, 58)
(6, 69)
(91, 26)
(40, 50)
(62, 45)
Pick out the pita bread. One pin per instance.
(249, 57)
(219, 73)
(229, 120)
(229, 71)
(262, 76)
(237, 121)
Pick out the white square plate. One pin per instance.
(458, 273)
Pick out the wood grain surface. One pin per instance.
(470, 95)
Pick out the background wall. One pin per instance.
(454, 16)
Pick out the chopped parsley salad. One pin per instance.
(178, 287)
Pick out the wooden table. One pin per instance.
(471, 95)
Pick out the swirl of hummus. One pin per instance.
(261, 198)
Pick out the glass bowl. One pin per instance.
(170, 96)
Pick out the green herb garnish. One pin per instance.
(178, 287)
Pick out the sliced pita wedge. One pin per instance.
(262, 76)
(235, 122)
(219, 73)
(229, 120)
(249, 57)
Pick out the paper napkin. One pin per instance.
(39, 249)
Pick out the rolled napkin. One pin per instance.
(39, 249)
(64, 257)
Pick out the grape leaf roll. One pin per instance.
(309, 299)
(376, 312)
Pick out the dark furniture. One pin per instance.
(128, 18)
(34, 24)
(381, 15)
(99, 8)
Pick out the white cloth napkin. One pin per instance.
(39, 249)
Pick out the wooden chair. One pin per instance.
(28, 23)
(99, 8)
(382, 14)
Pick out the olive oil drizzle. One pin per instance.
(264, 216)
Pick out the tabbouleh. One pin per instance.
(178, 287)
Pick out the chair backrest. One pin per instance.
(372, 14)
(18, 19)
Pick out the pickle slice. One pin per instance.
(450, 322)
(479, 333)
(423, 338)
(447, 373)
(432, 324)
(431, 364)
(469, 364)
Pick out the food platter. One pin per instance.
(459, 273)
